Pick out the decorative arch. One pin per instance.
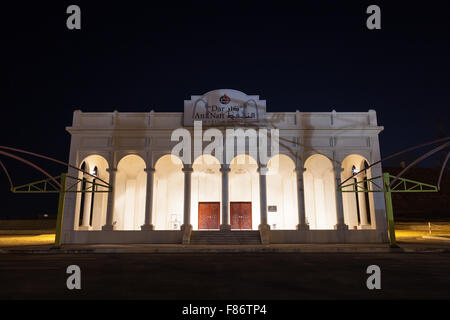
(122, 156)
(287, 154)
(168, 193)
(282, 193)
(358, 206)
(130, 193)
(90, 212)
(320, 192)
(159, 155)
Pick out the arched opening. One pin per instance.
(367, 195)
(130, 192)
(282, 204)
(91, 206)
(355, 188)
(206, 193)
(358, 206)
(168, 194)
(244, 193)
(320, 194)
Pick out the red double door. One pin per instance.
(240, 215)
(208, 215)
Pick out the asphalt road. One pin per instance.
(226, 276)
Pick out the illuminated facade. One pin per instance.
(159, 197)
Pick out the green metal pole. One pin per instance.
(59, 219)
(389, 209)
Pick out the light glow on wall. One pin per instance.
(351, 202)
(100, 199)
(168, 193)
(206, 185)
(282, 194)
(244, 184)
(320, 194)
(130, 192)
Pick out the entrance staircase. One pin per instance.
(225, 237)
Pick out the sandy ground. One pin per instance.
(26, 240)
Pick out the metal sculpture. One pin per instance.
(61, 184)
(392, 184)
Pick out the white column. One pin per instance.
(187, 196)
(86, 223)
(301, 200)
(149, 200)
(110, 207)
(339, 206)
(362, 203)
(264, 228)
(225, 169)
(187, 227)
(263, 194)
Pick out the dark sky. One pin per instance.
(143, 55)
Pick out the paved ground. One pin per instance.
(226, 276)
(29, 269)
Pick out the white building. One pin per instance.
(158, 198)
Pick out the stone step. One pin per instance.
(226, 233)
(206, 243)
(227, 237)
(225, 241)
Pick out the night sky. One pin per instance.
(138, 56)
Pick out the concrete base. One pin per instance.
(147, 227)
(184, 236)
(326, 236)
(123, 237)
(187, 231)
(340, 227)
(264, 232)
(225, 227)
(108, 228)
(84, 228)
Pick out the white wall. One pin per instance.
(244, 185)
(320, 195)
(168, 194)
(130, 192)
(206, 185)
(282, 193)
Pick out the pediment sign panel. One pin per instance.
(224, 107)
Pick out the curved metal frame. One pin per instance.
(37, 167)
(423, 157)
